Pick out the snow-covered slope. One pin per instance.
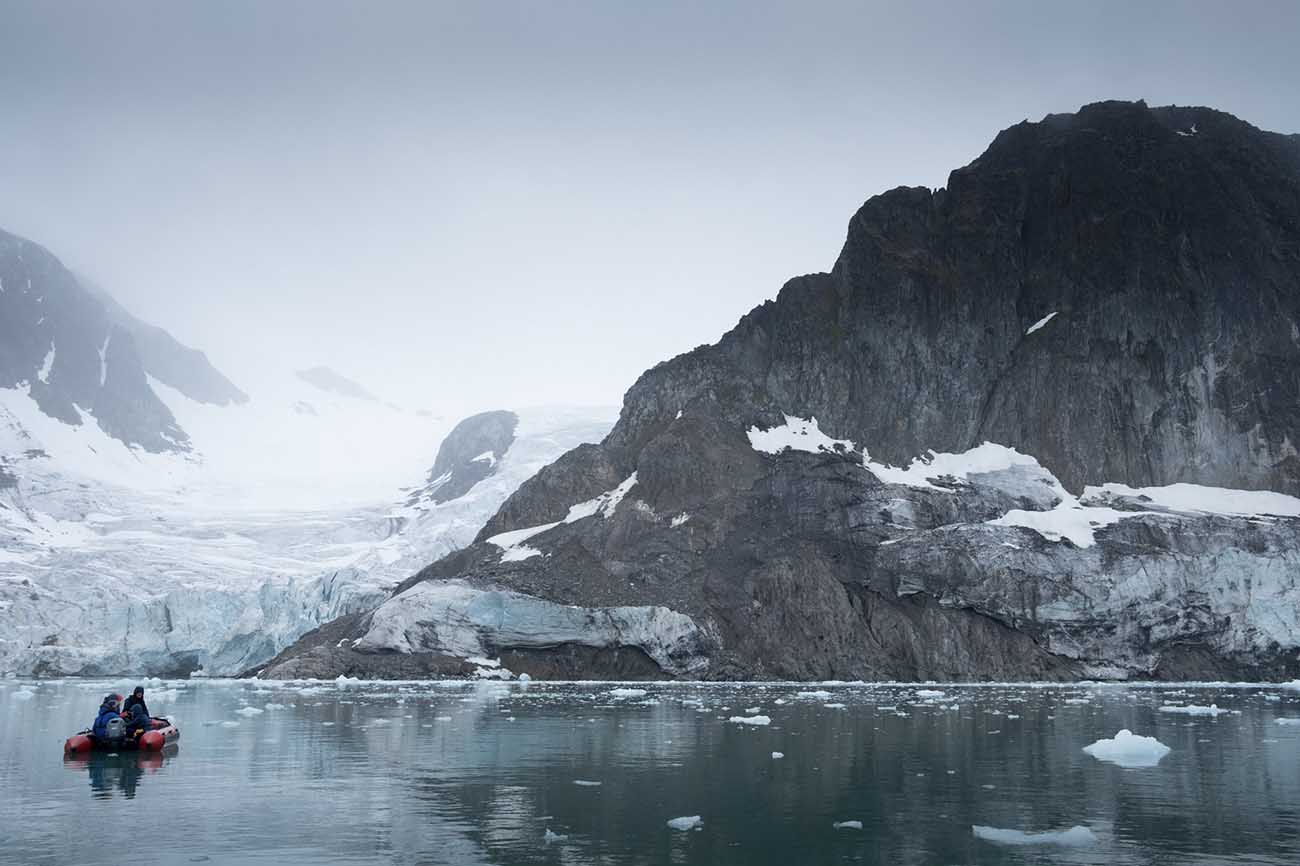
(292, 509)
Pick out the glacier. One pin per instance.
(117, 561)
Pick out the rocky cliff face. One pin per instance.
(79, 353)
(1111, 297)
(470, 453)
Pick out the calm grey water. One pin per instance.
(478, 773)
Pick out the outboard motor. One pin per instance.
(115, 730)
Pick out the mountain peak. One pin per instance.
(335, 383)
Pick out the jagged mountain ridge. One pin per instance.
(1114, 292)
(81, 353)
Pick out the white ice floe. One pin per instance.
(1129, 750)
(1040, 323)
(548, 837)
(1076, 836)
(626, 693)
(929, 693)
(1292, 722)
(680, 519)
(750, 720)
(796, 434)
(585, 783)
(1195, 710)
(776, 756)
(847, 825)
(24, 695)
(818, 695)
(686, 822)
(249, 711)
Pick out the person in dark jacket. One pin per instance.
(135, 713)
(107, 712)
(135, 699)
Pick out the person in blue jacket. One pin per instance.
(107, 712)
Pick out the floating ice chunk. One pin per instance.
(24, 695)
(1195, 710)
(1293, 684)
(344, 681)
(847, 825)
(1040, 323)
(796, 434)
(1078, 701)
(1076, 836)
(274, 706)
(550, 837)
(817, 695)
(1288, 721)
(833, 706)
(626, 693)
(929, 693)
(680, 519)
(776, 756)
(686, 822)
(1128, 749)
(750, 720)
(583, 783)
(752, 710)
(229, 724)
(525, 678)
(250, 711)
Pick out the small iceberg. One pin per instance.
(847, 825)
(1077, 836)
(627, 693)
(686, 822)
(24, 695)
(583, 783)
(776, 756)
(249, 711)
(1128, 749)
(1195, 710)
(750, 720)
(550, 837)
(1288, 721)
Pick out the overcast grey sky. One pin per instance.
(465, 205)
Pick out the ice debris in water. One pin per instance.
(230, 724)
(750, 720)
(249, 711)
(779, 755)
(343, 681)
(929, 693)
(586, 784)
(1195, 710)
(686, 822)
(847, 825)
(24, 695)
(1288, 721)
(1076, 836)
(626, 693)
(550, 837)
(1128, 749)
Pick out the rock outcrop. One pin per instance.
(1111, 297)
(470, 453)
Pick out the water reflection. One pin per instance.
(465, 773)
(111, 773)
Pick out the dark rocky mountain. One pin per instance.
(335, 383)
(469, 454)
(170, 361)
(1115, 292)
(81, 353)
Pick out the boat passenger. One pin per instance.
(108, 711)
(135, 699)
